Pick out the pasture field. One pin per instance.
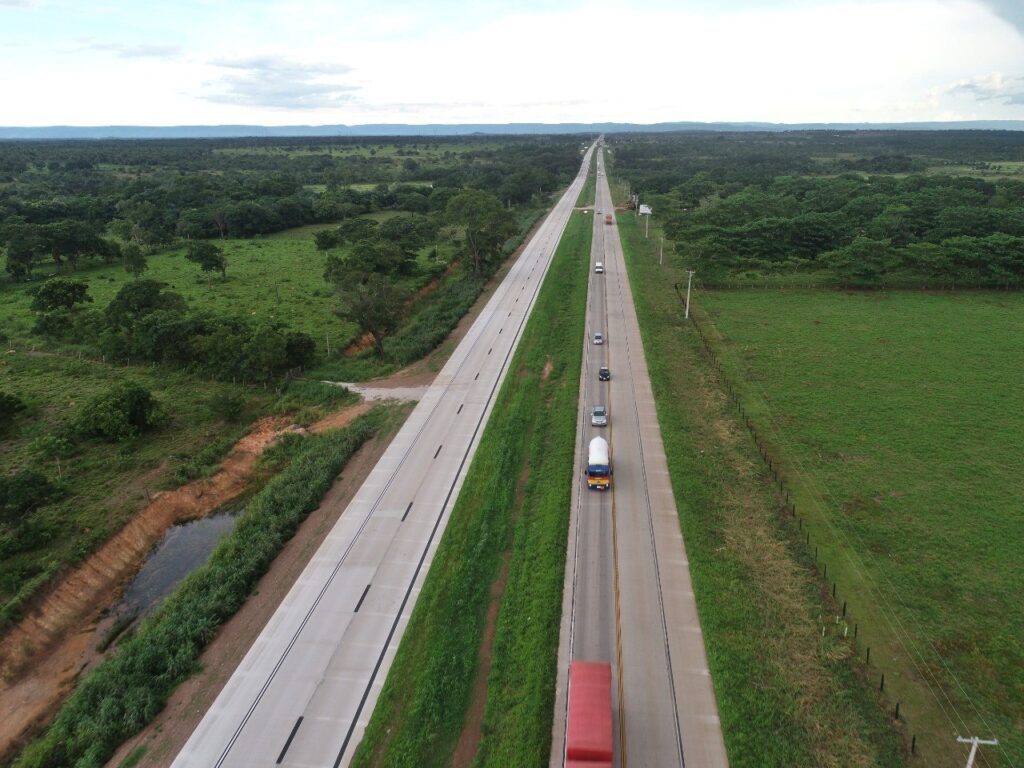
(898, 417)
(499, 567)
(778, 662)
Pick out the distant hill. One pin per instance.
(442, 129)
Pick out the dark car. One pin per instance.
(603, 374)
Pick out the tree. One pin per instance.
(208, 256)
(24, 247)
(10, 406)
(137, 299)
(122, 412)
(863, 262)
(60, 293)
(487, 224)
(370, 299)
(134, 260)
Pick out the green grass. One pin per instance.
(898, 418)
(514, 504)
(788, 693)
(126, 691)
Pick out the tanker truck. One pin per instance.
(599, 465)
(589, 742)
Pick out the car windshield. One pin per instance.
(599, 410)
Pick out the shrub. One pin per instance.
(124, 411)
(22, 492)
(10, 406)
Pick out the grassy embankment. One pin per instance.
(788, 693)
(898, 418)
(126, 691)
(510, 522)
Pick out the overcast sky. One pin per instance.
(279, 62)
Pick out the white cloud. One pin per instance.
(321, 61)
(279, 83)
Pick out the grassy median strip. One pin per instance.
(788, 693)
(130, 688)
(512, 513)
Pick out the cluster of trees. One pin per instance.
(146, 322)
(367, 274)
(865, 229)
(68, 202)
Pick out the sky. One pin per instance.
(319, 62)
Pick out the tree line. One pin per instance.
(796, 211)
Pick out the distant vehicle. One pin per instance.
(588, 732)
(607, 218)
(599, 465)
(603, 374)
(599, 416)
(599, 268)
(599, 338)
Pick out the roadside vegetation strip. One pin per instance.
(129, 689)
(530, 438)
(903, 454)
(788, 694)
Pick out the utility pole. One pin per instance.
(974, 741)
(661, 252)
(689, 282)
(647, 226)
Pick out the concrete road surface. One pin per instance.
(628, 598)
(305, 690)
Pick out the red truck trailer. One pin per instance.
(607, 218)
(588, 740)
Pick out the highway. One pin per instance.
(628, 598)
(306, 688)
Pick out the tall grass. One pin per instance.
(129, 689)
(514, 504)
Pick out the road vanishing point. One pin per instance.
(304, 692)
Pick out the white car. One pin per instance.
(599, 268)
(599, 416)
(599, 338)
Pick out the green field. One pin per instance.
(510, 522)
(898, 418)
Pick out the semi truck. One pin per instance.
(588, 738)
(599, 465)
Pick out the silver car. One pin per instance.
(599, 416)
(599, 338)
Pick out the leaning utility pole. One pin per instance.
(689, 281)
(974, 741)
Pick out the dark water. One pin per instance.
(182, 549)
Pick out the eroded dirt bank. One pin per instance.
(42, 656)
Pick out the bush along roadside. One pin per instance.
(129, 689)
(510, 522)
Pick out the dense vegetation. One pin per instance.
(511, 517)
(67, 203)
(859, 209)
(130, 688)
